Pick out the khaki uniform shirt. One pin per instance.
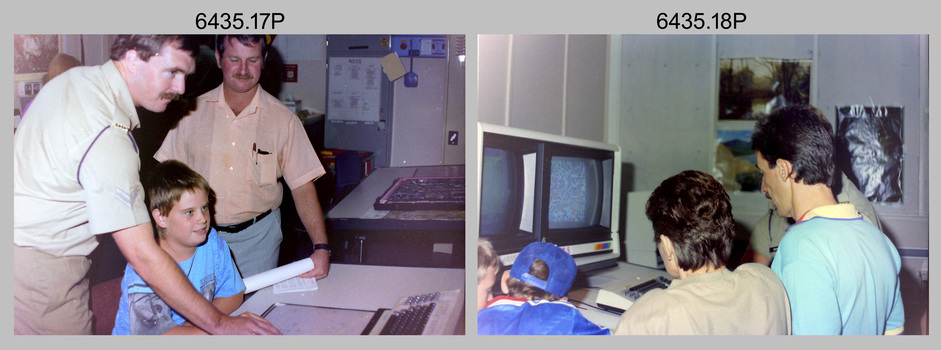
(75, 164)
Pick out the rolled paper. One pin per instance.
(277, 274)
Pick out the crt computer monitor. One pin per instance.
(543, 187)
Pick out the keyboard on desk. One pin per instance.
(434, 313)
(618, 299)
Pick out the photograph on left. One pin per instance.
(239, 184)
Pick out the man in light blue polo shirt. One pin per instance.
(840, 272)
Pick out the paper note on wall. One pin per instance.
(353, 93)
(393, 66)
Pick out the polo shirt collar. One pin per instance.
(835, 211)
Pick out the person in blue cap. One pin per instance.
(536, 302)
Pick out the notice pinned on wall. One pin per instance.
(353, 93)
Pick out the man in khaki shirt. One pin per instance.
(242, 139)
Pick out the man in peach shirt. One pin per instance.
(242, 139)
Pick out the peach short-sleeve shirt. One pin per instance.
(243, 156)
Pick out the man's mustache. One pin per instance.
(170, 96)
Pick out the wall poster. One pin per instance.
(735, 161)
(869, 149)
(32, 54)
(752, 87)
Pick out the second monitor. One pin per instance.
(542, 187)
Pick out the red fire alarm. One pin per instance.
(290, 73)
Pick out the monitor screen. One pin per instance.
(574, 192)
(498, 192)
(542, 187)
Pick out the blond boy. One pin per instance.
(488, 264)
(178, 198)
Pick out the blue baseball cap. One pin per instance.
(562, 267)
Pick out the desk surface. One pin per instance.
(624, 275)
(359, 203)
(364, 287)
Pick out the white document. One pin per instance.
(278, 274)
(296, 284)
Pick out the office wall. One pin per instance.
(418, 135)
(456, 111)
(668, 105)
(308, 52)
(547, 83)
(886, 70)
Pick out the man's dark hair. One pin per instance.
(149, 45)
(796, 133)
(247, 40)
(694, 211)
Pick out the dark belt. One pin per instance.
(243, 225)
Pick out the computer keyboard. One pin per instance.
(617, 299)
(434, 313)
(637, 291)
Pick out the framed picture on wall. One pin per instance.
(752, 87)
(735, 160)
(32, 54)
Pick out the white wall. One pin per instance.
(548, 83)
(668, 106)
(308, 52)
(666, 103)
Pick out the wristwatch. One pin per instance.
(323, 246)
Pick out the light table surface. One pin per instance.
(363, 287)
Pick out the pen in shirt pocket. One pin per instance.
(260, 152)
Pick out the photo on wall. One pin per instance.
(735, 161)
(869, 148)
(752, 87)
(32, 54)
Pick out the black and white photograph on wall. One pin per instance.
(752, 87)
(869, 147)
(32, 53)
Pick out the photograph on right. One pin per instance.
(701, 184)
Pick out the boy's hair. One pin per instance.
(486, 258)
(167, 183)
(520, 289)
